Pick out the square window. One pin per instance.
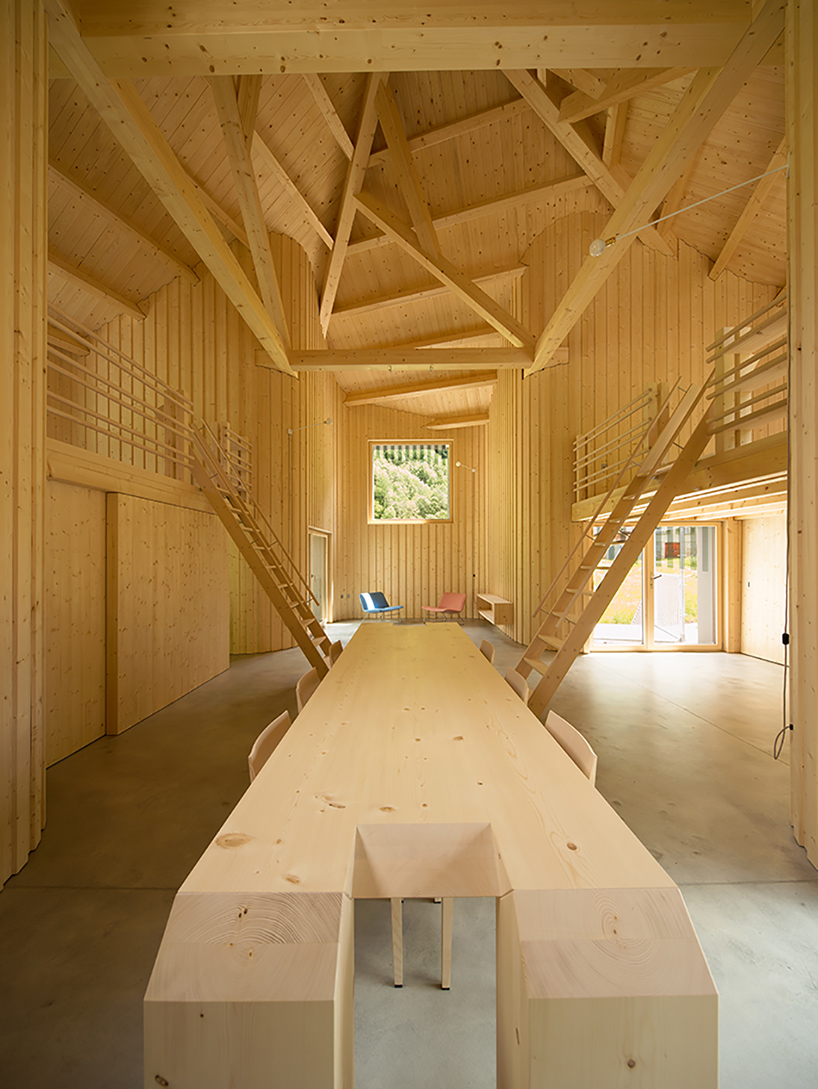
(409, 482)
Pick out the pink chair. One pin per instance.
(449, 603)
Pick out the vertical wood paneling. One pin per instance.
(75, 619)
(763, 584)
(167, 605)
(23, 87)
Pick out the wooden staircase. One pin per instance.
(222, 483)
(576, 606)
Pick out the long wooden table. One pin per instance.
(414, 770)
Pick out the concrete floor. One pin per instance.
(684, 744)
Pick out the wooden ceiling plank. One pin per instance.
(447, 423)
(437, 385)
(706, 99)
(122, 109)
(400, 298)
(90, 200)
(491, 206)
(218, 212)
(442, 269)
(329, 113)
(751, 210)
(352, 186)
(471, 123)
(78, 277)
(625, 85)
(263, 151)
(578, 142)
(238, 153)
(614, 134)
(439, 358)
(404, 169)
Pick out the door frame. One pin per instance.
(314, 531)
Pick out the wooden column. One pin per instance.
(802, 227)
(23, 94)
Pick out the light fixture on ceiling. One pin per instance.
(292, 430)
(460, 465)
(599, 245)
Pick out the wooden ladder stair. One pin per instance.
(567, 634)
(259, 545)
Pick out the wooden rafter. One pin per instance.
(248, 92)
(751, 209)
(438, 385)
(121, 108)
(449, 423)
(442, 133)
(237, 145)
(127, 227)
(492, 205)
(421, 358)
(444, 271)
(614, 134)
(408, 178)
(78, 277)
(262, 151)
(579, 142)
(401, 298)
(587, 83)
(705, 100)
(621, 88)
(329, 113)
(352, 186)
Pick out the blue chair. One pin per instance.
(375, 604)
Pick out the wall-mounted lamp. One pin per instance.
(599, 245)
(460, 465)
(292, 430)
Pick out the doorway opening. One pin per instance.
(668, 598)
(318, 550)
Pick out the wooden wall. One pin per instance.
(763, 585)
(23, 87)
(412, 564)
(651, 321)
(167, 605)
(75, 618)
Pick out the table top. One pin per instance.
(414, 770)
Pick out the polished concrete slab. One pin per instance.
(684, 744)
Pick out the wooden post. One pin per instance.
(23, 165)
(802, 250)
(732, 542)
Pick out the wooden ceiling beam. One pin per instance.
(751, 210)
(345, 359)
(352, 186)
(614, 134)
(472, 123)
(450, 423)
(587, 83)
(444, 271)
(704, 102)
(248, 92)
(237, 145)
(492, 205)
(579, 142)
(262, 151)
(121, 108)
(408, 178)
(329, 113)
(437, 385)
(126, 227)
(625, 85)
(136, 38)
(78, 277)
(401, 298)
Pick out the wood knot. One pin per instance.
(459, 737)
(631, 1063)
(572, 846)
(292, 878)
(233, 839)
(387, 809)
(160, 1080)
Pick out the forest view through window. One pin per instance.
(410, 481)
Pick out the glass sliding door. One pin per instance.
(668, 598)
